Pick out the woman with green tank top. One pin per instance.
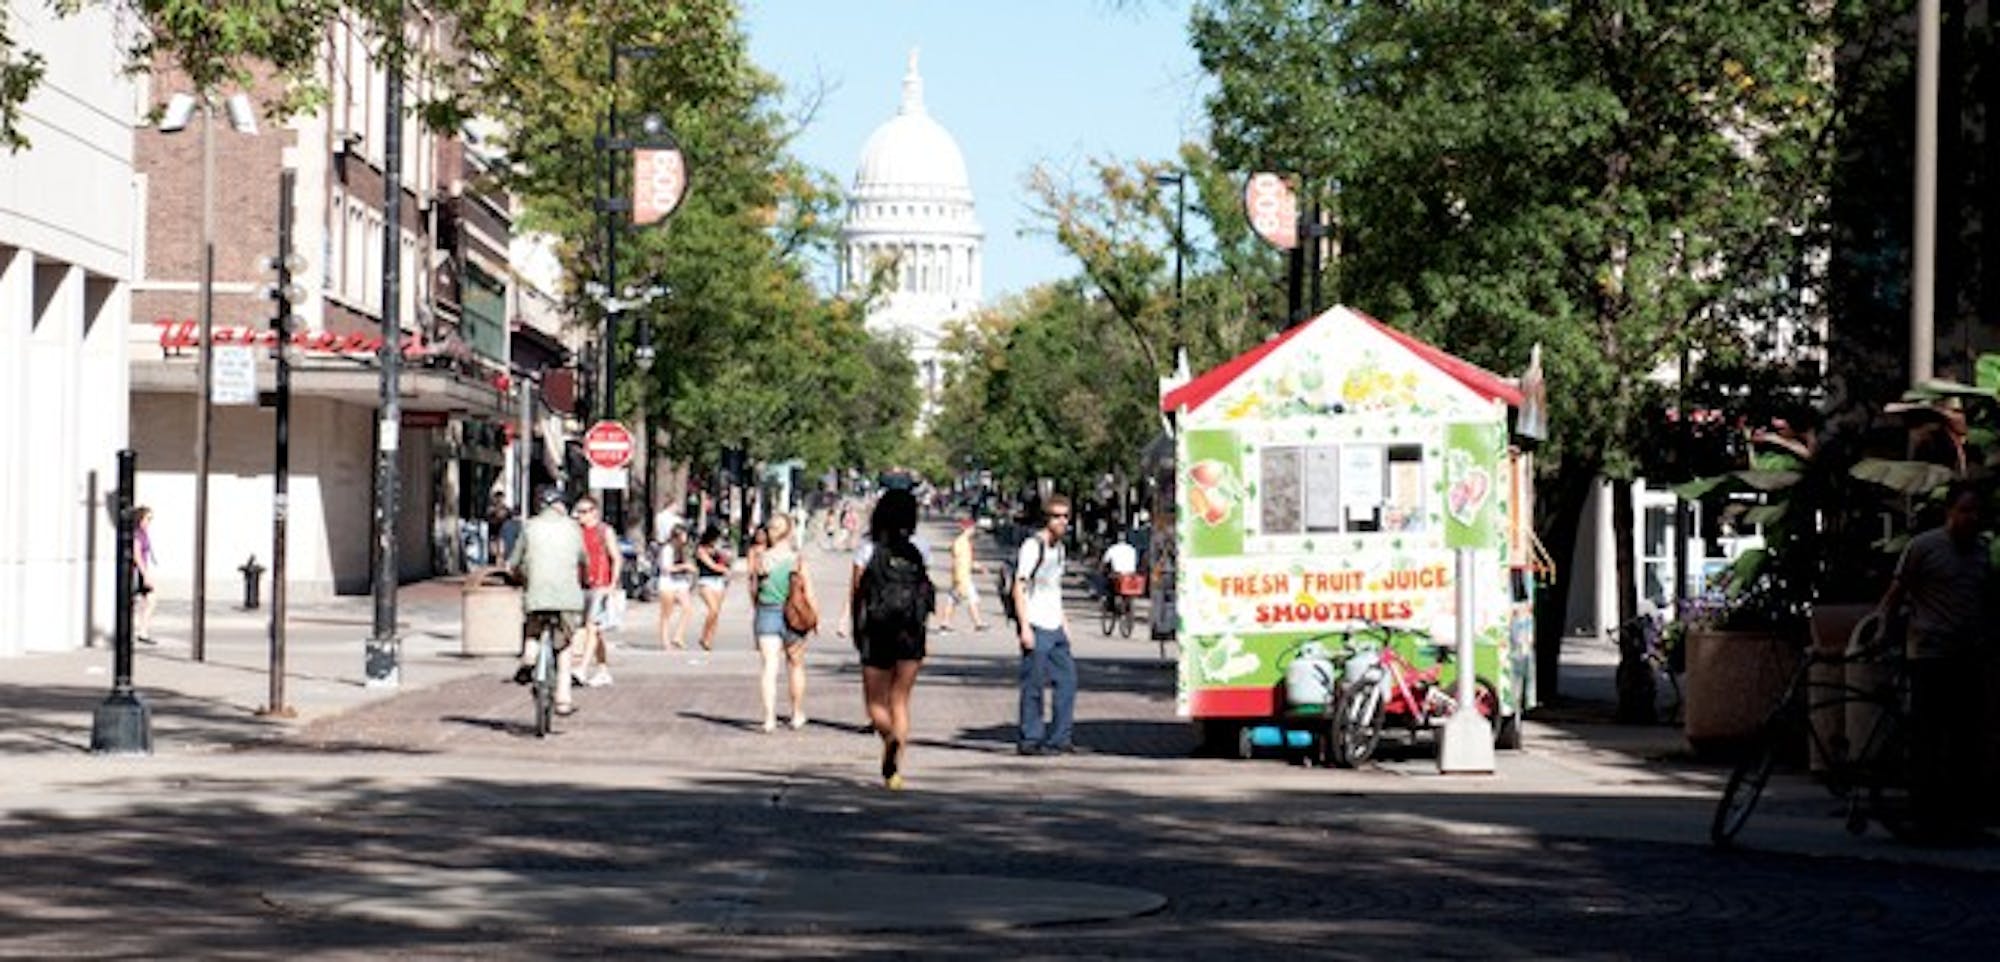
(775, 567)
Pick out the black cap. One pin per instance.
(548, 494)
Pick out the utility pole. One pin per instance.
(614, 312)
(1316, 236)
(380, 659)
(1295, 274)
(204, 383)
(281, 472)
(1923, 248)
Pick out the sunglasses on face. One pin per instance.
(1058, 516)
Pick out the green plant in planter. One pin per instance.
(1816, 517)
(1958, 427)
(1769, 586)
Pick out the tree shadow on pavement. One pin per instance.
(45, 719)
(1120, 737)
(189, 871)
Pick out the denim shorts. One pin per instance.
(771, 623)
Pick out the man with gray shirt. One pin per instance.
(549, 559)
(1945, 577)
(1044, 635)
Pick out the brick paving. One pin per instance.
(1579, 847)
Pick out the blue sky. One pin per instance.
(1017, 82)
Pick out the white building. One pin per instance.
(911, 208)
(67, 220)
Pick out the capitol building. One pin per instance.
(911, 207)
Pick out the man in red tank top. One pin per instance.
(600, 579)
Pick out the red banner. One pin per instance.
(659, 181)
(1273, 209)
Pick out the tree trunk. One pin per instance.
(1626, 562)
(1562, 513)
(1635, 688)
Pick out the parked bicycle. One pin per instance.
(1649, 689)
(1380, 688)
(1869, 773)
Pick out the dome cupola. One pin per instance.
(912, 155)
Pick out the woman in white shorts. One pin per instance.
(711, 575)
(676, 568)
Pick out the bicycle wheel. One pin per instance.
(1107, 616)
(545, 687)
(1746, 785)
(1125, 617)
(1357, 723)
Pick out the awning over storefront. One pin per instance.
(348, 382)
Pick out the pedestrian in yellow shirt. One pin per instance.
(963, 591)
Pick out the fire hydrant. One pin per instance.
(253, 576)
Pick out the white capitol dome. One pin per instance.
(911, 205)
(912, 154)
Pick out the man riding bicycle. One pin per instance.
(549, 559)
(1119, 560)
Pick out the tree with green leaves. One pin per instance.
(1619, 181)
(1122, 225)
(742, 339)
(1041, 386)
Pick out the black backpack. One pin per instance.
(897, 596)
(1008, 575)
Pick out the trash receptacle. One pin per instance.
(1871, 672)
(490, 619)
(1835, 628)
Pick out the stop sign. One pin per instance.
(608, 445)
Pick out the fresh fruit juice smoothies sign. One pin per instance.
(1325, 479)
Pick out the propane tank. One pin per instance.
(1309, 680)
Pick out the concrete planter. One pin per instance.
(1733, 680)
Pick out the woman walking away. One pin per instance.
(777, 567)
(143, 599)
(891, 597)
(676, 567)
(711, 574)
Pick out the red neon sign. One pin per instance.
(181, 335)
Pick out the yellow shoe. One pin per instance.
(895, 782)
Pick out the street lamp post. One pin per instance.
(381, 654)
(1179, 180)
(286, 294)
(612, 204)
(181, 109)
(659, 183)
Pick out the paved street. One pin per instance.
(430, 823)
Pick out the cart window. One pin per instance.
(1281, 489)
(1354, 488)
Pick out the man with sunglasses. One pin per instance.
(1044, 628)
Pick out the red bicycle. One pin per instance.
(1382, 688)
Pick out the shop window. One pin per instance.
(1351, 488)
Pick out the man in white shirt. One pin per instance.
(1044, 635)
(1121, 559)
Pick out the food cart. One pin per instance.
(1331, 479)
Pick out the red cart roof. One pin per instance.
(1479, 380)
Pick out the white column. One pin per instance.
(16, 321)
(104, 413)
(53, 493)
